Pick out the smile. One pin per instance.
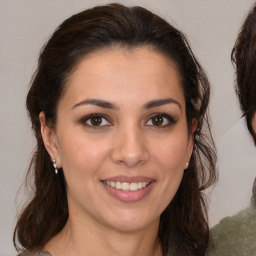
(129, 189)
(125, 186)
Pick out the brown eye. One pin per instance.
(96, 120)
(161, 120)
(157, 120)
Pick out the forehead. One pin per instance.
(118, 73)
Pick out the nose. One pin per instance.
(130, 148)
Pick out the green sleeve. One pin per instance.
(234, 236)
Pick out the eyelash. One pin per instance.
(166, 118)
(169, 119)
(85, 120)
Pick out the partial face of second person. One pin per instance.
(121, 137)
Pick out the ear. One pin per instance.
(191, 141)
(50, 140)
(253, 122)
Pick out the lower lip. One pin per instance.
(129, 196)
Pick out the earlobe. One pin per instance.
(49, 139)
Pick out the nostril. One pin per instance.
(125, 157)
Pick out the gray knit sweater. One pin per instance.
(236, 235)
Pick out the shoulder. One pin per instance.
(235, 235)
(28, 253)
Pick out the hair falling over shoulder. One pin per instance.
(183, 225)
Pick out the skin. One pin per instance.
(254, 122)
(127, 142)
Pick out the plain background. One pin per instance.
(211, 27)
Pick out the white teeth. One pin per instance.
(118, 185)
(125, 186)
(133, 186)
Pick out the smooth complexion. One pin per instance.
(122, 141)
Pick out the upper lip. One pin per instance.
(129, 179)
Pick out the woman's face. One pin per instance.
(121, 137)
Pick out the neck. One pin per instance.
(85, 237)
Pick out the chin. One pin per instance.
(132, 221)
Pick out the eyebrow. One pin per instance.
(97, 102)
(109, 105)
(158, 103)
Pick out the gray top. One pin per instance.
(235, 235)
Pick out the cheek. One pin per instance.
(170, 158)
(170, 164)
(172, 153)
(82, 155)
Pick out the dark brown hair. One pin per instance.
(244, 58)
(183, 225)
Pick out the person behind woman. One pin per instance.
(118, 106)
(236, 235)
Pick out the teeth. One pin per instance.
(134, 186)
(125, 186)
(139, 185)
(118, 185)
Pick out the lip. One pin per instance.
(129, 196)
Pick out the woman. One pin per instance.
(118, 106)
(236, 235)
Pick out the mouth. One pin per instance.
(128, 189)
(125, 186)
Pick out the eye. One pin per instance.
(161, 120)
(95, 121)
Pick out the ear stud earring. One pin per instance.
(187, 164)
(54, 166)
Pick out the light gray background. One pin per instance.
(211, 27)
